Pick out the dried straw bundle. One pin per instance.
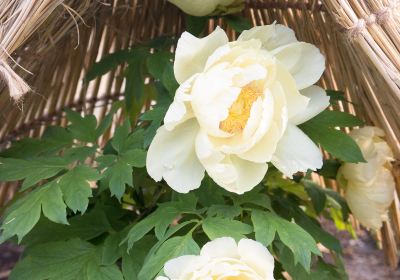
(359, 38)
(19, 19)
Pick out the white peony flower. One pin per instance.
(223, 259)
(369, 187)
(206, 7)
(237, 108)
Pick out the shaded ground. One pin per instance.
(363, 260)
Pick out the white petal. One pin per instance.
(296, 152)
(228, 171)
(213, 94)
(272, 36)
(223, 247)
(162, 278)
(172, 156)
(319, 101)
(192, 53)
(369, 204)
(257, 257)
(175, 268)
(200, 8)
(263, 150)
(295, 101)
(304, 62)
(180, 109)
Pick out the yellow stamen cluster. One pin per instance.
(239, 112)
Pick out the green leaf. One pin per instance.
(111, 249)
(135, 157)
(79, 153)
(219, 227)
(172, 248)
(156, 116)
(23, 215)
(53, 139)
(238, 23)
(157, 62)
(316, 194)
(141, 229)
(119, 175)
(166, 215)
(292, 235)
(134, 88)
(76, 188)
(335, 96)
(121, 133)
(32, 170)
(336, 142)
(224, 211)
(195, 25)
(82, 128)
(321, 129)
(107, 120)
(107, 63)
(86, 227)
(330, 168)
(333, 119)
(264, 231)
(132, 263)
(73, 259)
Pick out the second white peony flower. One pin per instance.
(223, 258)
(237, 109)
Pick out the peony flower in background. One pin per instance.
(222, 258)
(208, 7)
(237, 108)
(369, 187)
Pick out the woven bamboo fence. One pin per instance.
(50, 45)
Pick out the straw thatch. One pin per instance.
(360, 38)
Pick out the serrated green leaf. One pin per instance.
(79, 153)
(166, 216)
(132, 263)
(111, 249)
(85, 227)
(317, 195)
(82, 128)
(292, 235)
(120, 135)
(172, 248)
(224, 211)
(135, 157)
(76, 188)
(107, 120)
(119, 175)
(23, 216)
(134, 88)
(107, 63)
(53, 139)
(156, 116)
(32, 170)
(64, 260)
(219, 227)
(141, 229)
(264, 231)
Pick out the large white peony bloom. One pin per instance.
(206, 7)
(369, 187)
(237, 108)
(223, 259)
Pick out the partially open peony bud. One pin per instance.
(237, 108)
(221, 259)
(369, 187)
(208, 7)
